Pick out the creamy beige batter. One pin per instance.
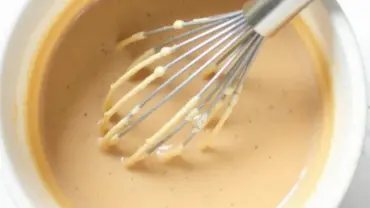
(279, 129)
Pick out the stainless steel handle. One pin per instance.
(266, 16)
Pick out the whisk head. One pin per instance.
(222, 45)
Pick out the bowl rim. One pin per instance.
(327, 193)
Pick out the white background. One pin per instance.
(358, 13)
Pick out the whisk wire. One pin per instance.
(235, 75)
(224, 68)
(161, 70)
(157, 138)
(192, 76)
(194, 22)
(225, 41)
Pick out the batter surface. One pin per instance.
(256, 160)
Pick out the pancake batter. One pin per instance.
(257, 158)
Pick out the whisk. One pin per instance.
(229, 42)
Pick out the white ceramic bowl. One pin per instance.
(326, 20)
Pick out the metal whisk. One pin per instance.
(229, 42)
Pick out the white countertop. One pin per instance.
(358, 13)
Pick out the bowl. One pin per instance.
(326, 20)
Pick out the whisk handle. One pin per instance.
(267, 16)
